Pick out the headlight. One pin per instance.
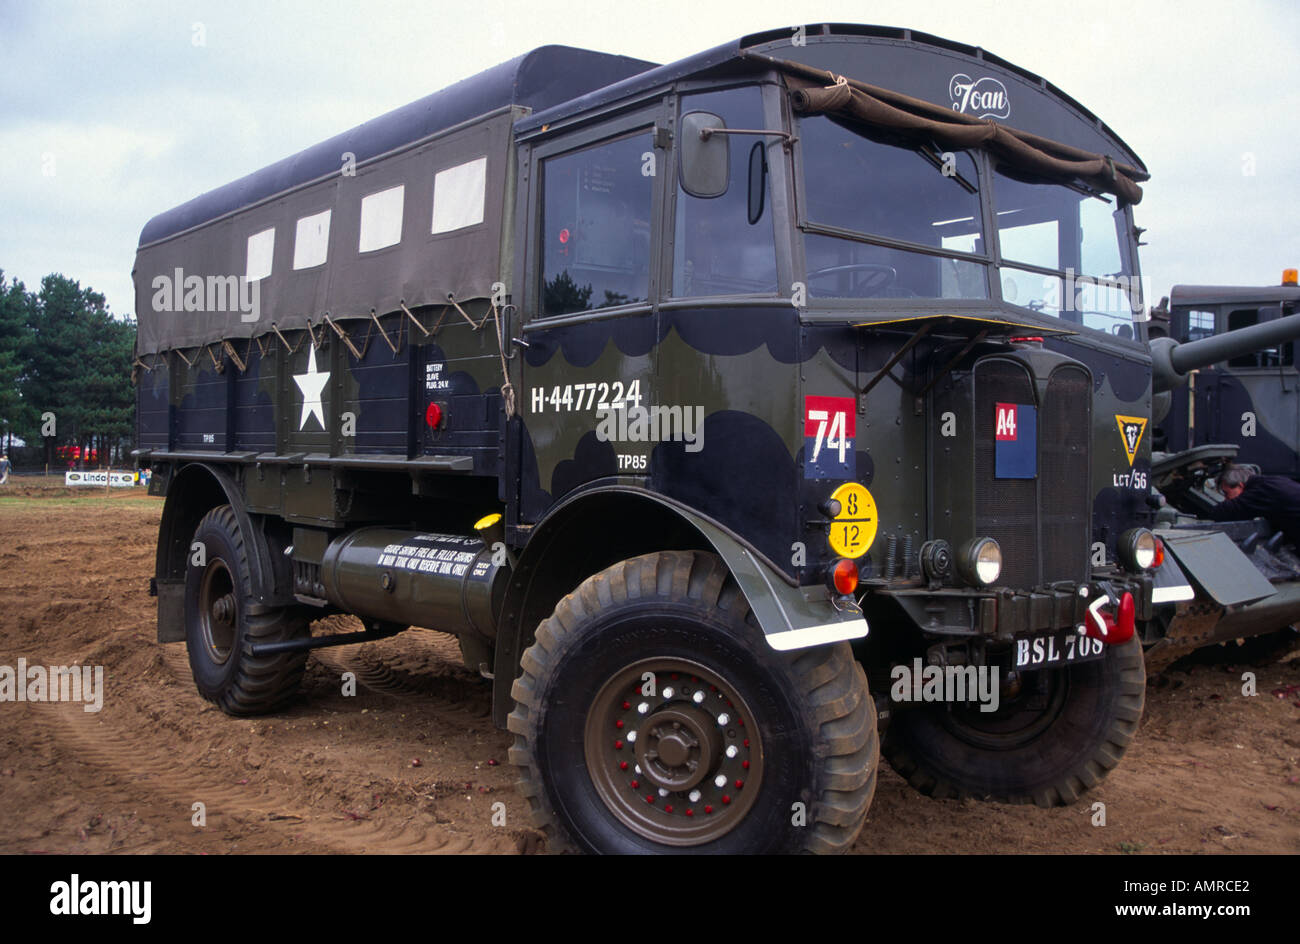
(980, 562)
(1137, 549)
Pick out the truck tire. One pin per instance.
(649, 683)
(1047, 754)
(220, 632)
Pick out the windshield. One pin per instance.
(886, 217)
(1061, 253)
(887, 220)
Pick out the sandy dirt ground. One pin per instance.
(413, 763)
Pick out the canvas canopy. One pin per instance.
(345, 245)
(403, 209)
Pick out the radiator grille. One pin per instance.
(1042, 524)
(1064, 461)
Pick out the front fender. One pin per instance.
(790, 617)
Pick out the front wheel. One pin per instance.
(1055, 736)
(651, 716)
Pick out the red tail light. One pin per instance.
(845, 576)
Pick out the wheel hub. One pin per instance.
(677, 747)
(218, 611)
(223, 610)
(676, 759)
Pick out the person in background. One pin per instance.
(1248, 495)
(4, 469)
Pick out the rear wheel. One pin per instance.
(651, 716)
(220, 631)
(1051, 739)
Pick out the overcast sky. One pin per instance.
(111, 113)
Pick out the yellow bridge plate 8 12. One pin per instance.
(854, 528)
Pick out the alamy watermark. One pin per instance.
(684, 424)
(1118, 294)
(946, 683)
(83, 683)
(80, 897)
(181, 292)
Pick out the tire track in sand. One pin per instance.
(136, 754)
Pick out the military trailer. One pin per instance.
(1249, 399)
(711, 405)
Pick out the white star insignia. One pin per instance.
(311, 384)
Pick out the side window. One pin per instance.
(595, 225)
(261, 249)
(381, 219)
(311, 240)
(716, 249)
(458, 196)
(1200, 324)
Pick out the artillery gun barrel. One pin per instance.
(1171, 361)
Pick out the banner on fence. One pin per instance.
(114, 479)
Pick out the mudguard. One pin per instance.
(1223, 571)
(790, 617)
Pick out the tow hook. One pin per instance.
(1112, 629)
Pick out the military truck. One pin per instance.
(718, 408)
(1249, 399)
(1215, 581)
(1225, 392)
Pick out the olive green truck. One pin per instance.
(747, 418)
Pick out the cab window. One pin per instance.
(717, 249)
(595, 226)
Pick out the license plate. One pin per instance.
(1063, 648)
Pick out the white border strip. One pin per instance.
(1172, 594)
(817, 635)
